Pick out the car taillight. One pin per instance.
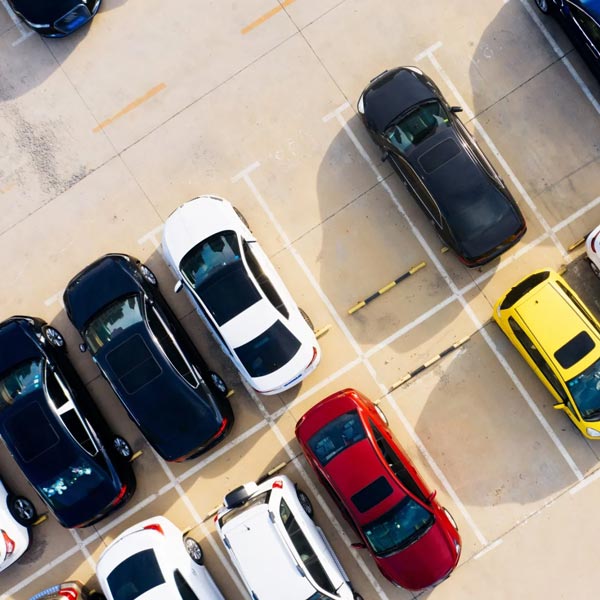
(69, 593)
(10, 545)
(221, 429)
(120, 496)
(277, 484)
(314, 356)
(155, 527)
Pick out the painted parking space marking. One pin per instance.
(583, 484)
(491, 546)
(83, 548)
(266, 16)
(131, 106)
(153, 236)
(456, 292)
(21, 27)
(430, 54)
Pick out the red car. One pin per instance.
(346, 439)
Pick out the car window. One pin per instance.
(304, 549)
(582, 308)
(587, 24)
(112, 321)
(585, 389)
(135, 576)
(269, 351)
(537, 358)
(396, 465)
(169, 346)
(76, 428)
(398, 528)
(263, 281)
(184, 589)
(341, 433)
(254, 501)
(411, 129)
(24, 378)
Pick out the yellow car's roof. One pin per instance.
(553, 320)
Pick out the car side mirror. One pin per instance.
(559, 406)
(358, 545)
(82, 347)
(385, 156)
(432, 496)
(456, 109)
(178, 286)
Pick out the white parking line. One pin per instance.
(559, 52)
(153, 236)
(488, 548)
(429, 53)
(83, 549)
(583, 484)
(455, 291)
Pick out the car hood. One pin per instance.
(423, 563)
(175, 418)
(46, 12)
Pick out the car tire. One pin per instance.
(54, 337)
(306, 503)
(307, 319)
(96, 596)
(148, 275)
(595, 269)
(544, 6)
(382, 414)
(219, 383)
(242, 218)
(122, 447)
(22, 510)
(357, 596)
(194, 550)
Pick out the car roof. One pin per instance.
(548, 303)
(392, 93)
(17, 343)
(590, 6)
(100, 283)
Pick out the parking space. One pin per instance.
(107, 131)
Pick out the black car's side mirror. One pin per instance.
(385, 156)
(456, 109)
(82, 347)
(178, 287)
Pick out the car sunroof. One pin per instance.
(438, 155)
(372, 495)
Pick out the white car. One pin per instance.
(592, 247)
(238, 293)
(17, 514)
(153, 561)
(275, 545)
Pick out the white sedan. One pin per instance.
(16, 515)
(214, 256)
(592, 247)
(152, 560)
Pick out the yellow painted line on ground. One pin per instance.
(137, 102)
(266, 16)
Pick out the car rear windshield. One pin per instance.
(522, 288)
(238, 510)
(585, 389)
(135, 576)
(21, 380)
(417, 125)
(270, 351)
(214, 269)
(112, 321)
(74, 484)
(398, 528)
(339, 434)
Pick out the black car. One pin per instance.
(147, 357)
(55, 18)
(442, 166)
(581, 20)
(54, 430)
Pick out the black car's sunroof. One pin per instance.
(133, 364)
(438, 155)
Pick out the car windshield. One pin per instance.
(112, 321)
(135, 576)
(270, 351)
(215, 270)
(21, 380)
(585, 389)
(73, 485)
(398, 528)
(411, 129)
(339, 434)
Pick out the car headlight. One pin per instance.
(361, 105)
(457, 546)
(593, 432)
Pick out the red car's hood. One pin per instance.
(423, 563)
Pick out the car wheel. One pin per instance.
(595, 268)
(306, 503)
(357, 596)
(122, 447)
(96, 596)
(194, 549)
(22, 510)
(382, 414)
(54, 337)
(242, 218)
(306, 318)
(543, 5)
(148, 275)
(219, 383)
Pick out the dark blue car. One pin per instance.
(581, 21)
(53, 429)
(146, 356)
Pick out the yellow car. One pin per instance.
(560, 339)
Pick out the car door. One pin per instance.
(584, 27)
